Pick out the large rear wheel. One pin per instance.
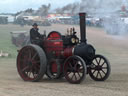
(31, 63)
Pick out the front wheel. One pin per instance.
(75, 69)
(100, 68)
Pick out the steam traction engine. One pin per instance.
(62, 56)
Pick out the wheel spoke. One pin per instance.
(103, 71)
(97, 74)
(97, 61)
(75, 76)
(93, 71)
(70, 65)
(103, 63)
(78, 74)
(24, 69)
(104, 67)
(68, 73)
(80, 70)
(100, 75)
(34, 55)
(93, 64)
(75, 64)
(72, 76)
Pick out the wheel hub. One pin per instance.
(74, 69)
(98, 68)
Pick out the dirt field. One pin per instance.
(113, 47)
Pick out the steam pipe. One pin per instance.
(83, 27)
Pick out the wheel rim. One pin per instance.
(74, 70)
(100, 68)
(29, 63)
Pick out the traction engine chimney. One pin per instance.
(83, 27)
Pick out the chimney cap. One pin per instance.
(82, 14)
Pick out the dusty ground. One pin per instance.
(114, 48)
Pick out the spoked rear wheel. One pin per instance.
(31, 63)
(100, 68)
(75, 69)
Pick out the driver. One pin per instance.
(35, 35)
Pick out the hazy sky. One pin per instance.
(12, 6)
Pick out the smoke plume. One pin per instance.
(108, 10)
